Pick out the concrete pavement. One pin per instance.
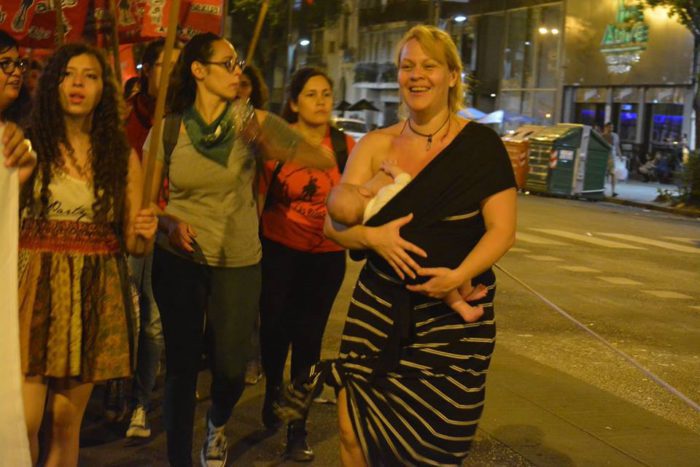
(644, 195)
(534, 415)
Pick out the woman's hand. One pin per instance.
(387, 242)
(182, 235)
(145, 224)
(18, 151)
(441, 282)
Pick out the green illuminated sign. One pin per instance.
(624, 40)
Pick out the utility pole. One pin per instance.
(290, 46)
(435, 13)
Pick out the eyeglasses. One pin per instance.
(9, 66)
(229, 64)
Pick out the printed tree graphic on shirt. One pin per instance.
(309, 189)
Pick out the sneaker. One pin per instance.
(138, 427)
(215, 449)
(298, 448)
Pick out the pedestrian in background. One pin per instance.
(302, 270)
(615, 153)
(138, 124)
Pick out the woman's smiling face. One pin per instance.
(424, 81)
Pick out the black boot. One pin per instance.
(298, 449)
(270, 420)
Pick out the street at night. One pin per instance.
(556, 394)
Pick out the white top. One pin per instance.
(385, 194)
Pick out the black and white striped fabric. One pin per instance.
(425, 411)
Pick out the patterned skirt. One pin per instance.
(425, 408)
(75, 310)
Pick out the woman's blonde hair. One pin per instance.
(438, 45)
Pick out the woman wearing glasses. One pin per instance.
(207, 258)
(14, 104)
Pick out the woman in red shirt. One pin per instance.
(301, 269)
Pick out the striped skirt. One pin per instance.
(425, 409)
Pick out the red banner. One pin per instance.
(33, 22)
(196, 16)
(201, 16)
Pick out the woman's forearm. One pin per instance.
(492, 246)
(353, 238)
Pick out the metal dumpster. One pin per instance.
(518, 147)
(568, 159)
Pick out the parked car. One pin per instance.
(352, 126)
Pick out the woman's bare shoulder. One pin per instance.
(381, 138)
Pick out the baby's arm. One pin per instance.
(376, 183)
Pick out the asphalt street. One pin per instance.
(557, 395)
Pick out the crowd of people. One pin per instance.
(236, 263)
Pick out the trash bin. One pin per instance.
(518, 147)
(568, 159)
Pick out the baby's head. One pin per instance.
(346, 203)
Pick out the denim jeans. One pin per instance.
(150, 333)
(229, 297)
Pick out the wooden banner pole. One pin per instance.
(152, 180)
(114, 9)
(60, 26)
(258, 29)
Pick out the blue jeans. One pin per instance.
(150, 332)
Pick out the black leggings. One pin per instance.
(184, 291)
(297, 295)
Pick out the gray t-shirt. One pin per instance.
(218, 202)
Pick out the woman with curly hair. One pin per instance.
(80, 215)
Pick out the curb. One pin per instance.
(687, 212)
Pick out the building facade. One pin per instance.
(539, 61)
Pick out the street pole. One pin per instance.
(290, 47)
(436, 12)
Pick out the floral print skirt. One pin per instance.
(77, 318)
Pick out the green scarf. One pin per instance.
(215, 140)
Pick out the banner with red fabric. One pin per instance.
(33, 22)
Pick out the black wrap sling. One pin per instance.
(414, 371)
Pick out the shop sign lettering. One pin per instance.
(625, 40)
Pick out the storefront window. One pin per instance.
(666, 124)
(530, 71)
(590, 114)
(517, 55)
(627, 122)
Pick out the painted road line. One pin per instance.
(667, 294)
(619, 280)
(537, 240)
(543, 258)
(516, 249)
(579, 269)
(692, 241)
(589, 239)
(652, 242)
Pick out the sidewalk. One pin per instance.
(644, 195)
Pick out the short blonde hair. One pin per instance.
(439, 46)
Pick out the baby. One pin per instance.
(354, 204)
